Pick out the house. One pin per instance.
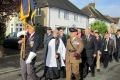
(60, 13)
(94, 14)
(14, 25)
(116, 22)
(113, 27)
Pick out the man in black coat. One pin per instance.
(107, 49)
(32, 45)
(118, 45)
(90, 47)
(62, 35)
(47, 38)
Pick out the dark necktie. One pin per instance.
(87, 38)
(106, 43)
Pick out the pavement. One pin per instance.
(11, 62)
(10, 68)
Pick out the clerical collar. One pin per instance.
(54, 37)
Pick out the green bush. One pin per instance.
(41, 30)
(100, 26)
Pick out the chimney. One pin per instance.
(92, 5)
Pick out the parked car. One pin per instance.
(12, 40)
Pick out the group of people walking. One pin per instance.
(72, 57)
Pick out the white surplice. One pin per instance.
(51, 60)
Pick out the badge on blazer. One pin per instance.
(75, 42)
(31, 43)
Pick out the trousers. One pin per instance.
(106, 58)
(28, 69)
(87, 62)
(72, 68)
(98, 60)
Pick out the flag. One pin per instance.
(27, 12)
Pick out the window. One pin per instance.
(11, 30)
(11, 35)
(66, 15)
(20, 25)
(16, 24)
(11, 24)
(76, 17)
(20, 29)
(58, 13)
(38, 12)
(16, 29)
(80, 18)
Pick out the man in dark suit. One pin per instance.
(62, 35)
(112, 36)
(90, 46)
(32, 45)
(47, 38)
(107, 49)
(118, 45)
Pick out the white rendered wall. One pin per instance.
(55, 21)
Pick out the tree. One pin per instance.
(100, 26)
(7, 8)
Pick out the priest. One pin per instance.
(55, 66)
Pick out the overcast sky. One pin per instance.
(106, 7)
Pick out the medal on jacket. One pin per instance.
(31, 43)
(75, 42)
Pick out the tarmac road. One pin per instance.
(12, 63)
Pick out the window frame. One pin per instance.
(59, 11)
(75, 17)
(38, 11)
(66, 15)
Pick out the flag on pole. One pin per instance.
(27, 12)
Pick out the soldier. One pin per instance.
(74, 48)
(32, 45)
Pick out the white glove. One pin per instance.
(21, 33)
(30, 57)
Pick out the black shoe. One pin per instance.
(98, 70)
(117, 60)
(40, 78)
(92, 75)
(84, 76)
(111, 60)
(89, 71)
(105, 67)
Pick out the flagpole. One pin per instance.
(24, 44)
